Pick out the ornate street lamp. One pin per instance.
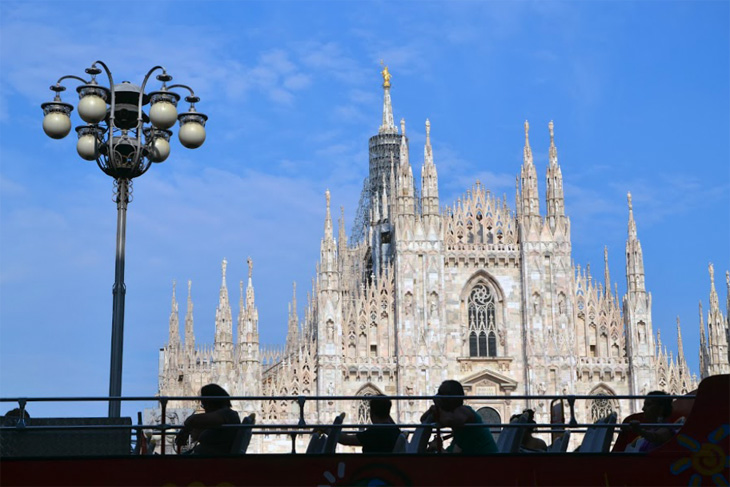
(124, 141)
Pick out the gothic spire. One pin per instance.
(241, 315)
(703, 346)
(680, 345)
(632, 223)
(388, 126)
(717, 339)
(429, 179)
(553, 150)
(607, 276)
(714, 300)
(527, 152)
(328, 219)
(174, 321)
(249, 287)
(554, 186)
(634, 257)
(405, 194)
(530, 204)
(328, 249)
(292, 337)
(341, 234)
(427, 151)
(223, 343)
(189, 332)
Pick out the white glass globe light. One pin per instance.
(160, 150)
(92, 108)
(56, 125)
(87, 147)
(192, 135)
(163, 114)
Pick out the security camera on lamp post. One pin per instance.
(125, 142)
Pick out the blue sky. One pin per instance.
(639, 92)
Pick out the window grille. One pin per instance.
(482, 326)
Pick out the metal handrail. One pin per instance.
(302, 427)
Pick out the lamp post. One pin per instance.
(124, 141)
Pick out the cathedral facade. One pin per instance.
(479, 291)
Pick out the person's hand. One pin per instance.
(182, 437)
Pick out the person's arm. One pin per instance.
(349, 439)
(196, 423)
(430, 415)
(656, 436)
(203, 421)
(456, 418)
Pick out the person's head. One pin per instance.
(16, 413)
(380, 408)
(657, 407)
(210, 405)
(530, 420)
(13, 416)
(449, 388)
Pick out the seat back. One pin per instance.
(420, 437)
(510, 437)
(560, 445)
(316, 443)
(333, 434)
(243, 435)
(400, 444)
(598, 439)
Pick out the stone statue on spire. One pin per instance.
(250, 267)
(551, 127)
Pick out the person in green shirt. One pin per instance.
(451, 412)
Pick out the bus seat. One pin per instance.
(243, 435)
(400, 444)
(560, 445)
(333, 434)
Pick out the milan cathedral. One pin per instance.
(477, 291)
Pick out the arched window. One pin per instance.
(601, 407)
(482, 324)
(363, 407)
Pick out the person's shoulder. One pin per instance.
(469, 413)
(229, 415)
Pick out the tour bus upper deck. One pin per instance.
(84, 452)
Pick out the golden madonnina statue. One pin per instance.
(386, 77)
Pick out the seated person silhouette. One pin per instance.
(656, 410)
(13, 417)
(529, 442)
(379, 439)
(205, 428)
(452, 413)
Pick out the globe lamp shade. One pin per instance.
(92, 108)
(160, 150)
(56, 125)
(87, 147)
(163, 114)
(192, 135)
